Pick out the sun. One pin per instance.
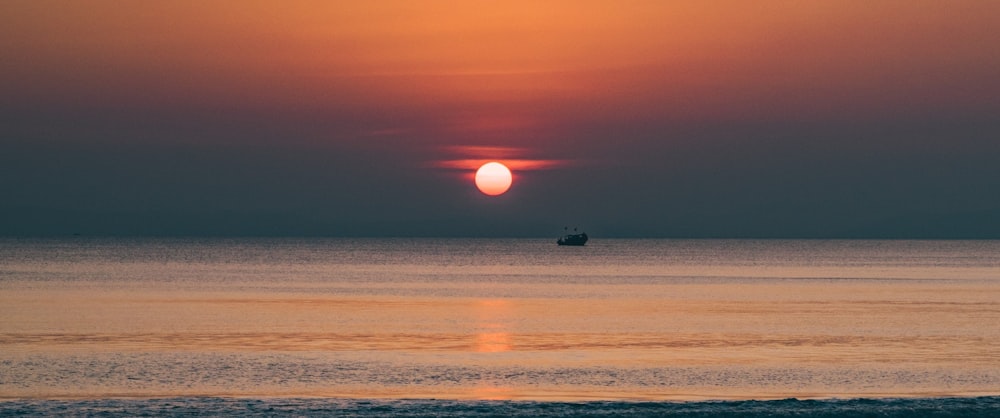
(493, 178)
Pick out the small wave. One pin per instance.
(927, 407)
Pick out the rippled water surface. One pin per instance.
(481, 320)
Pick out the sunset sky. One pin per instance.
(624, 118)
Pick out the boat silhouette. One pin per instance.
(573, 239)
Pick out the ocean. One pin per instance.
(505, 327)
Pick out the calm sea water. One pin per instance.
(508, 327)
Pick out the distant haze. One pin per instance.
(625, 119)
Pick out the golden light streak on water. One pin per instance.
(492, 318)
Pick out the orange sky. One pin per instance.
(648, 56)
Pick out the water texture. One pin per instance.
(298, 407)
(505, 327)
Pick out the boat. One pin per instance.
(573, 239)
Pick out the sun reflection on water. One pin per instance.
(492, 342)
(493, 325)
(489, 392)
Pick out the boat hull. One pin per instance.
(575, 239)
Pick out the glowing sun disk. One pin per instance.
(493, 178)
